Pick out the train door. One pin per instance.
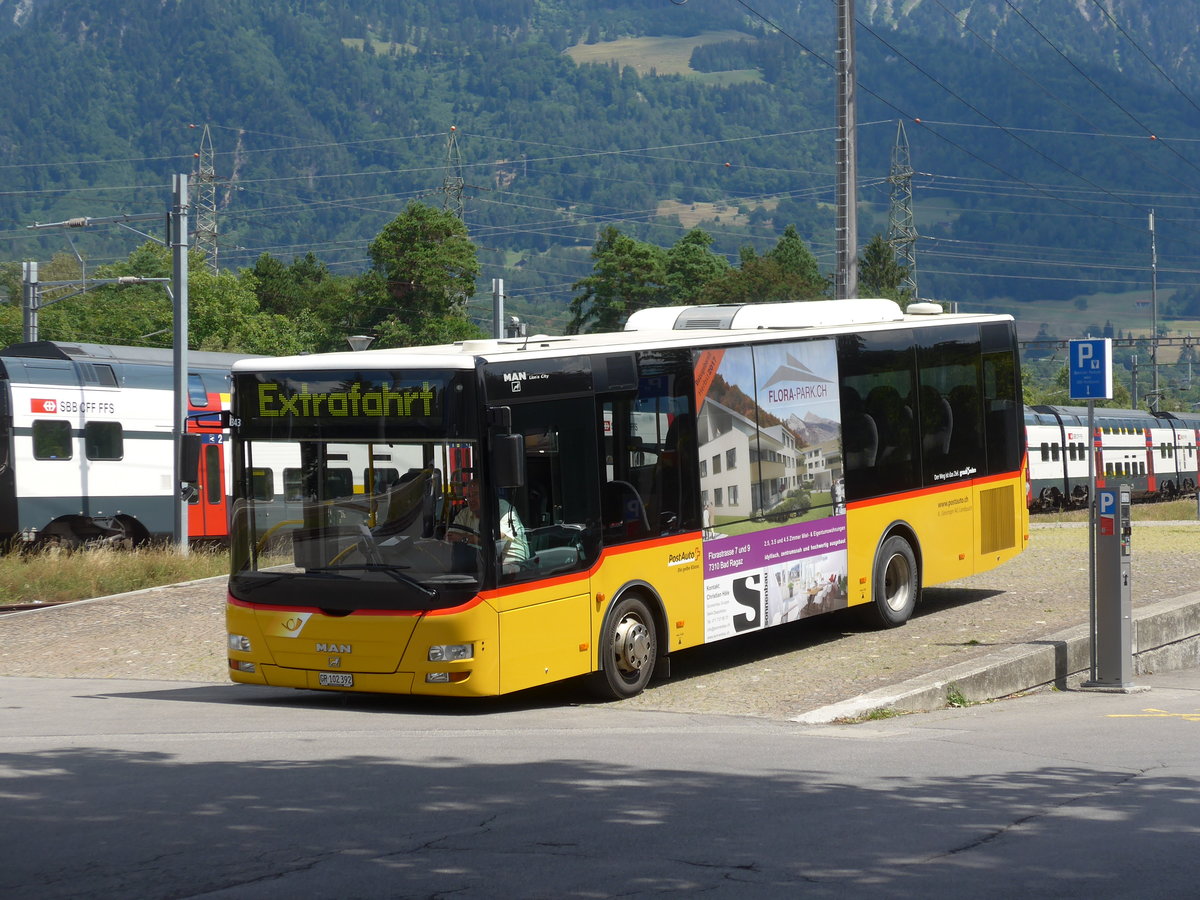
(208, 508)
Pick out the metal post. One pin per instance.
(846, 274)
(1154, 306)
(29, 301)
(179, 291)
(1092, 535)
(498, 307)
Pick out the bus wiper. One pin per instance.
(392, 570)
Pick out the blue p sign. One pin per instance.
(1090, 369)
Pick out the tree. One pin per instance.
(787, 272)
(427, 262)
(879, 275)
(319, 304)
(424, 271)
(691, 265)
(627, 275)
(796, 262)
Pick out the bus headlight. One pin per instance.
(239, 642)
(451, 652)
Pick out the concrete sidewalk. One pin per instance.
(1165, 637)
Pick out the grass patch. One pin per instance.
(874, 715)
(663, 55)
(1171, 511)
(955, 697)
(52, 575)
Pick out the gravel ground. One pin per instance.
(176, 633)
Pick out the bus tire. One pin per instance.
(628, 650)
(896, 582)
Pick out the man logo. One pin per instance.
(334, 648)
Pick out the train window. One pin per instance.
(52, 440)
(1054, 452)
(262, 484)
(1045, 452)
(197, 395)
(97, 373)
(383, 479)
(339, 482)
(293, 484)
(212, 473)
(103, 440)
(1142, 466)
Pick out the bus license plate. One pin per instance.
(335, 679)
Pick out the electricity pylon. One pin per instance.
(902, 233)
(452, 184)
(204, 189)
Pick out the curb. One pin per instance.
(1166, 637)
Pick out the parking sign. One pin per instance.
(1090, 369)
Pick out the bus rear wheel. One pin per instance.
(629, 647)
(896, 584)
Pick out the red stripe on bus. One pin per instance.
(930, 491)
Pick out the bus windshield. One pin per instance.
(363, 524)
(345, 484)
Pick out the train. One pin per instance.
(1154, 453)
(86, 448)
(87, 444)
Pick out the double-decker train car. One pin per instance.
(1154, 453)
(87, 443)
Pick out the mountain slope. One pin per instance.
(329, 115)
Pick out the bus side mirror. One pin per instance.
(508, 460)
(189, 458)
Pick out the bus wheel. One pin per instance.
(629, 647)
(896, 584)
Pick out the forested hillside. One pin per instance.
(1041, 134)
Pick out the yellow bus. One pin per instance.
(484, 517)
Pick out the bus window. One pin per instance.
(651, 485)
(949, 363)
(559, 501)
(878, 380)
(1001, 399)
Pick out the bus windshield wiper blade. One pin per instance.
(391, 570)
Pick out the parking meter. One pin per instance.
(1113, 635)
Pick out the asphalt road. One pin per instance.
(156, 789)
(178, 633)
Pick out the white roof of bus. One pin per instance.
(779, 320)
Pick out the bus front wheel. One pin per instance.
(896, 584)
(629, 647)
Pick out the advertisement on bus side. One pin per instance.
(770, 480)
